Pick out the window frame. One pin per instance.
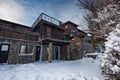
(32, 49)
(66, 26)
(5, 45)
(26, 52)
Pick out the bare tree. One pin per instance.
(93, 7)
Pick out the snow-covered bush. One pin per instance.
(111, 58)
(109, 20)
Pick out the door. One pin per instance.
(4, 50)
(38, 52)
(57, 52)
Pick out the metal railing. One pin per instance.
(47, 18)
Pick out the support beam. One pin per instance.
(50, 52)
(68, 52)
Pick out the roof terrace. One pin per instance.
(46, 18)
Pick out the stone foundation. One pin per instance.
(14, 56)
(79, 50)
(44, 53)
(63, 53)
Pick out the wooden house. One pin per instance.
(23, 44)
(80, 41)
(72, 33)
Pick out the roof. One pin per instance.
(82, 31)
(14, 23)
(70, 23)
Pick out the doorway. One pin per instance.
(4, 51)
(57, 52)
(38, 53)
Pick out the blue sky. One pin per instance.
(26, 11)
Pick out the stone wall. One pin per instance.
(44, 52)
(75, 52)
(63, 54)
(26, 59)
(80, 49)
(14, 56)
(88, 48)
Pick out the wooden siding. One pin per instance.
(52, 32)
(49, 31)
(57, 34)
(13, 30)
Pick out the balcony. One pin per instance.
(48, 19)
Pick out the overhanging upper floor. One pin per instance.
(54, 41)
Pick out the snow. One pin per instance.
(89, 35)
(106, 22)
(115, 69)
(96, 54)
(85, 69)
(93, 53)
(113, 41)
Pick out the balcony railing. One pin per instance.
(47, 18)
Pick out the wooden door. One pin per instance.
(4, 50)
(38, 51)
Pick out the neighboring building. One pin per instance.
(80, 41)
(23, 44)
(74, 34)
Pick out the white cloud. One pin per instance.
(11, 10)
(19, 11)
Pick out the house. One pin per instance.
(72, 33)
(23, 44)
(47, 39)
(80, 41)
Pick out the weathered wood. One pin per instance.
(17, 31)
(50, 52)
(68, 52)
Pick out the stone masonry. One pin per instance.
(14, 57)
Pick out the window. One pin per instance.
(23, 49)
(66, 26)
(39, 38)
(47, 50)
(4, 47)
(26, 49)
(66, 37)
(73, 32)
(29, 49)
(70, 25)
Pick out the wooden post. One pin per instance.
(50, 52)
(68, 52)
(92, 40)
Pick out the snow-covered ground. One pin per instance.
(85, 69)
